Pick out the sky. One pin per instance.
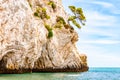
(100, 38)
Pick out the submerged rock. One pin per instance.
(24, 42)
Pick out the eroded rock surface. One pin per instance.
(24, 45)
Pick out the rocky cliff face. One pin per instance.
(24, 42)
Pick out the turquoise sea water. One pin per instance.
(92, 74)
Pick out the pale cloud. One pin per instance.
(101, 42)
(97, 56)
(107, 5)
(94, 18)
(103, 60)
(104, 4)
(115, 11)
(101, 3)
(99, 24)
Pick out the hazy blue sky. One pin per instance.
(100, 38)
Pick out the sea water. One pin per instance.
(92, 74)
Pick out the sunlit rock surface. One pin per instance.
(24, 45)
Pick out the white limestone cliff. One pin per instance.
(24, 45)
